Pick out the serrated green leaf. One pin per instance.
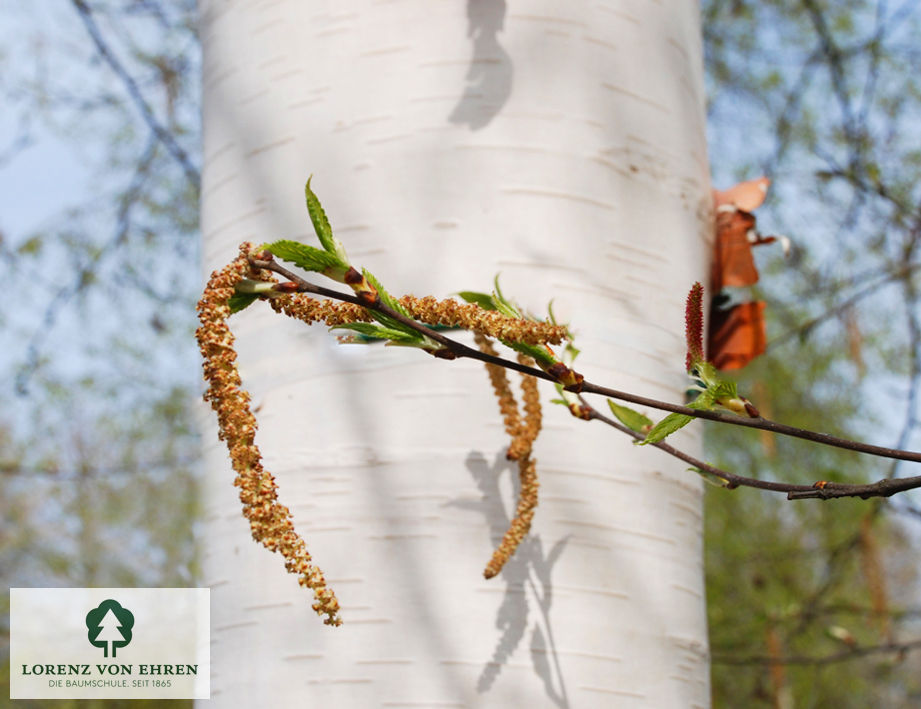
(724, 390)
(321, 226)
(239, 301)
(303, 256)
(484, 300)
(719, 388)
(705, 401)
(393, 304)
(707, 373)
(633, 420)
(666, 427)
(386, 298)
(318, 218)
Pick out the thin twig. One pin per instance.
(844, 656)
(822, 490)
(134, 91)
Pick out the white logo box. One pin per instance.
(110, 643)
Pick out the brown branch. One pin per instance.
(760, 423)
(821, 490)
(886, 487)
(167, 138)
(827, 491)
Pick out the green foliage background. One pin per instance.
(819, 97)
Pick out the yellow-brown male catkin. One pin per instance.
(301, 306)
(508, 407)
(270, 522)
(530, 427)
(523, 434)
(469, 316)
(521, 524)
(427, 310)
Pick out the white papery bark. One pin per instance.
(563, 145)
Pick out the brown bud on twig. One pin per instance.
(750, 409)
(580, 411)
(571, 380)
(261, 255)
(368, 298)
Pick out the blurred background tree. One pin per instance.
(810, 603)
(818, 604)
(99, 251)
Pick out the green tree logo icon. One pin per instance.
(109, 626)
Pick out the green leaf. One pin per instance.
(239, 301)
(318, 218)
(566, 397)
(251, 287)
(386, 298)
(706, 373)
(307, 257)
(710, 478)
(484, 300)
(666, 427)
(724, 390)
(671, 423)
(633, 420)
(538, 353)
(504, 306)
(321, 226)
(717, 387)
(380, 332)
(393, 304)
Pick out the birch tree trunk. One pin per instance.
(561, 144)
